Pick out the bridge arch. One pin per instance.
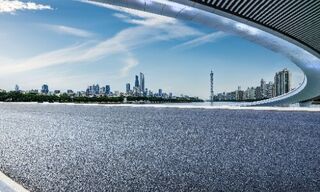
(225, 16)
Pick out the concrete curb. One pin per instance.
(8, 185)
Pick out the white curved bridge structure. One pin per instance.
(289, 27)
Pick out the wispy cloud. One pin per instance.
(147, 29)
(130, 62)
(153, 20)
(11, 6)
(210, 38)
(69, 30)
(121, 16)
(5, 60)
(135, 16)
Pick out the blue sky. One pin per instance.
(71, 44)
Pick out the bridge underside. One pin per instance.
(289, 27)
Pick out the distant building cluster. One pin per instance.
(138, 90)
(280, 86)
(96, 90)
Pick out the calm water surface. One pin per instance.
(98, 148)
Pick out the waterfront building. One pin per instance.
(270, 90)
(128, 88)
(274, 90)
(160, 93)
(142, 85)
(96, 89)
(45, 89)
(211, 87)
(232, 96)
(136, 83)
(108, 90)
(136, 91)
(81, 94)
(16, 88)
(282, 82)
(33, 91)
(70, 92)
(145, 93)
(88, 91)
(150, 93)
(56, 92)
(102, 91)
(93, 90)
(220, 97)
(263, 88)
(250, 93)
(239, 94)
(258, 93)
(166, 96)
(277, 82)
(117, 93)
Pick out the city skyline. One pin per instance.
(280, 85)
(95, 90)
(69, 53)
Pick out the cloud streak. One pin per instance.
(130, 62)
(11, 6)
(69, 30)
(210, 38)
(147, 29)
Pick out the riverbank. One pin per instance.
(65, 98)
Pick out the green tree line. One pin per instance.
(64, 98)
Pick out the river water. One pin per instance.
(121, 148)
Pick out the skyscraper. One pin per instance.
(160, 93)
(128, 88)
(263, 88)
(96, 89)
(93, 90)
(45, 89)
(282, 81)
(239, 94)
(211, 86)
(108, 90)
(16, 88)
(270, 90)
(142, 87)
(136, 83)
(102, 90)
(258, 93)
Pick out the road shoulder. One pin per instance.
(8, 185)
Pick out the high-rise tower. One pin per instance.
(45, 89)
(136, 83)
(128, 88)
(142, 87)
(211, 86)
(282, 81)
